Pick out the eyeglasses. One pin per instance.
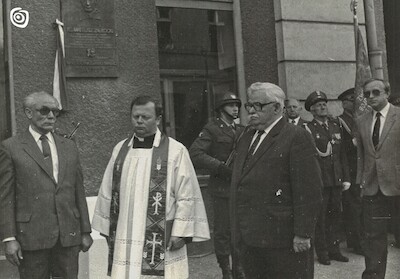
(375, 93)
(45, 111)
(257, 105)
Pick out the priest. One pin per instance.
(149, 204)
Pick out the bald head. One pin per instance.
(293, 108)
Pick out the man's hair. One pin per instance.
(291, 99)
(385, 84)
(271, 91)
(144, 99)
(30, 100)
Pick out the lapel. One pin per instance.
(62, 158)
(32, 149)
(268, 141)
(243, 148)
(390, 119)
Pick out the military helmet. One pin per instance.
(227, 98)
(314, 98)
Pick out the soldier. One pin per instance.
(334, 168)
(213, 150)
(351, 198)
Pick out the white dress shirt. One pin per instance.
(266, 131)
(53, 149)
(383, 118)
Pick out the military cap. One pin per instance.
(227, 98)
(347, 95)
(314, 98)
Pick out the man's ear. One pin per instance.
(158, 120)
(28, 113)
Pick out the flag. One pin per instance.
(363, 73)
(59, 81)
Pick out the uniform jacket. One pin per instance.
(381, 166)
(278, 195)
(34, 208)
(211, 148)
(349, 144)
(334, 168)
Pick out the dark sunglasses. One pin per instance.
(45, 111)
(257, 105)
(375, 93)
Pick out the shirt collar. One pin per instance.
(296, 120)
(383, 111)
(156, 141)
(227, 124)
(37, 135)
(269, 128)
(321, 123)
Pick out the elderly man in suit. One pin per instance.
(293, 110)
(276, 190)
(378, 172)
(44, 220)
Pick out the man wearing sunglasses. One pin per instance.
(44, 220)
(378, 172)
(276, 190)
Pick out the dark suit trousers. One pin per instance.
(273, 263)
(327, 230)
(352, 216)
(59, 262)
(222, 232)
(395, 221)
(376, 214)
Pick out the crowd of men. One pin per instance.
(281, 187)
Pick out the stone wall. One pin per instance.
(101, 105)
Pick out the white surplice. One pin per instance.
(184, 205)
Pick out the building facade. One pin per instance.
(184, 52)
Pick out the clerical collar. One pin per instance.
(146, 142)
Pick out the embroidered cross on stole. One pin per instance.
(158, 229)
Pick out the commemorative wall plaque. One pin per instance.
(90, 38)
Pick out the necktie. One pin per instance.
(252, 149)
(377, 127)
(325, 126)
(293, 122)
(46, 152)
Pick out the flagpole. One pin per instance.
(354, 5)
(374, 53)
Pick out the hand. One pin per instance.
(13, 252)
(175, 243)
(301, 244)
(86, 242)
(345, 186)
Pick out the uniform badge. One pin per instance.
(201, 134)
(317, 136)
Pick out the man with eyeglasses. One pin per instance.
(333, 163)
(276, 190)
(44, 220)
(378, 172)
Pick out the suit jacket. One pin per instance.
(211, 148)
(380, 168)
(34, 207)
(334, 168)
(278, 195)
